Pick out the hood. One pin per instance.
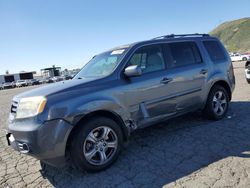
(54, 88)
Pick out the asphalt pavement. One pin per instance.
(188, 151)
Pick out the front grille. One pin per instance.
(13, 107)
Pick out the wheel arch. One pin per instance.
(99, 113)
(223, 84)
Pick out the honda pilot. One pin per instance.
(86, 121)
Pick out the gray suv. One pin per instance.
(87, 120)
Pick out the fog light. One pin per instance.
(23, 147)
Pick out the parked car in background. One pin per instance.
(43, 80)
(247, 70)
(54, 79)
(57, 78)
(89, 118)
(67, 77)
(238, 57)
(34, 82)
(21, 83)
(8, 85)
(49, 80)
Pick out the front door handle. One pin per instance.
(203, 71)
(166, 80)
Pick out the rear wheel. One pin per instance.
(96, 144)
(217, 103)
(244, 58)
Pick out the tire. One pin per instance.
(248, 81)
(244, 58)
(215, 103)
(89, 147)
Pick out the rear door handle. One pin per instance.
(166, 80)
(203, 71)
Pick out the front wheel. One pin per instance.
(244, 58)
(96, 144)
(217, 103)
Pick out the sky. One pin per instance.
(39, 34)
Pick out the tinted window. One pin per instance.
(215, 51)
(150, 59)
(184, 53)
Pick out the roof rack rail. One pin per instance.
(181, 35)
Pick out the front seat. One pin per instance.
(154, 63)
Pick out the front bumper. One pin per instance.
(46, 142)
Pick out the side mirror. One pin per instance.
(132, 71)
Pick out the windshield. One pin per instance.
(101, 65)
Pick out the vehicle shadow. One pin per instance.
(164, 153)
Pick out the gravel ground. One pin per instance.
(185, 152)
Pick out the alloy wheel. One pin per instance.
(219, 103)
(100, 145)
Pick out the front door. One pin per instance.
(150, 96)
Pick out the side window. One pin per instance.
(215, 51)
(184, 53)
(149, 58)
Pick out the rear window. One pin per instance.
(215, 51)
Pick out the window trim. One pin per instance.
(131, 51)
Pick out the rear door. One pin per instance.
(188, 73)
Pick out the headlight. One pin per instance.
(31, 106)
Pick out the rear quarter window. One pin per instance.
(215, 51)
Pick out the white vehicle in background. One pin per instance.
(7, 85)
(247, 70)
(21, 83)
(238, 57)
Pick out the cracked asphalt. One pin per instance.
(189, 151)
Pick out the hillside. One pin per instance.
(234, 34)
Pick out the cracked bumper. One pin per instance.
(46, 142)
